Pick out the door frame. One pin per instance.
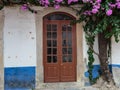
(59, 46)
(2, 18)
(39, 40)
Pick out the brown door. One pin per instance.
(59, 51)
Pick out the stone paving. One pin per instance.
(71, 88)
(64, 86)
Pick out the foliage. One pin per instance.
(98, 21)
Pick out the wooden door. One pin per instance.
(59, 51)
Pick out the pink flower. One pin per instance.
(118, 5)
(85, 1)
(70, 1)
(109, 12)
(57, 6)
(44, 2)
(94, 10)
(59, 1)
(97, 6)
(24, 7)
(117, 0)
(87, 13)
(98, 1)
(112, 5)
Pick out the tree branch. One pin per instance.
(94, 50)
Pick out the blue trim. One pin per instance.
(19, 78)
(116, 65)
(96, 70)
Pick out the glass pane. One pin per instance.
(54, 27)
(54, 59)
(48, 50)
(49, 59)
(64, 43)
(64, 28)
(54, 43)
(69, 35)
(64, 58)
(63, 35)
(54, 50)
(69, 38)
(49, 43)
(69, 50)
(54, 35)
(48, 34)
(70, 58)
(59, 16)
(64, 51)
(69, 43)
(69, 28)
(48, 27)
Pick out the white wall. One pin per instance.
(19, 38)
(85, 48)
(115, 52)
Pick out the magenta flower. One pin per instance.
(24, 7)
(97, 6)
(94, 10)
(98, 1)
(70, 1)
(87, 13)
(57, 6)
(85, 1)
(117, 0)
(44, 2)
(118, 5)
(112, 5)
(109, 12)
(59, 1)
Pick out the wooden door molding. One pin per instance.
(59, 70)
(80, 41)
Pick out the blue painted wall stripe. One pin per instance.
(19, 78)
(96, 69)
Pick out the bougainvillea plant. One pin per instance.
(100, 17)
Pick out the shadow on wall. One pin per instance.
(19, 78)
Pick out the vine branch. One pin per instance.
(94, 50)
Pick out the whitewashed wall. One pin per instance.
(115, 52)
(20, 42)
(85, 48)
(19, 38)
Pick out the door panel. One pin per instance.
(59, 45)
(51, 73)
(68, 60)
(50, 46)
(67, 73)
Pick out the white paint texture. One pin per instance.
(115, 52)
(116, 75)
(96, 62)
(85, 48)
(19, 38)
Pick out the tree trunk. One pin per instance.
(103, 57)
